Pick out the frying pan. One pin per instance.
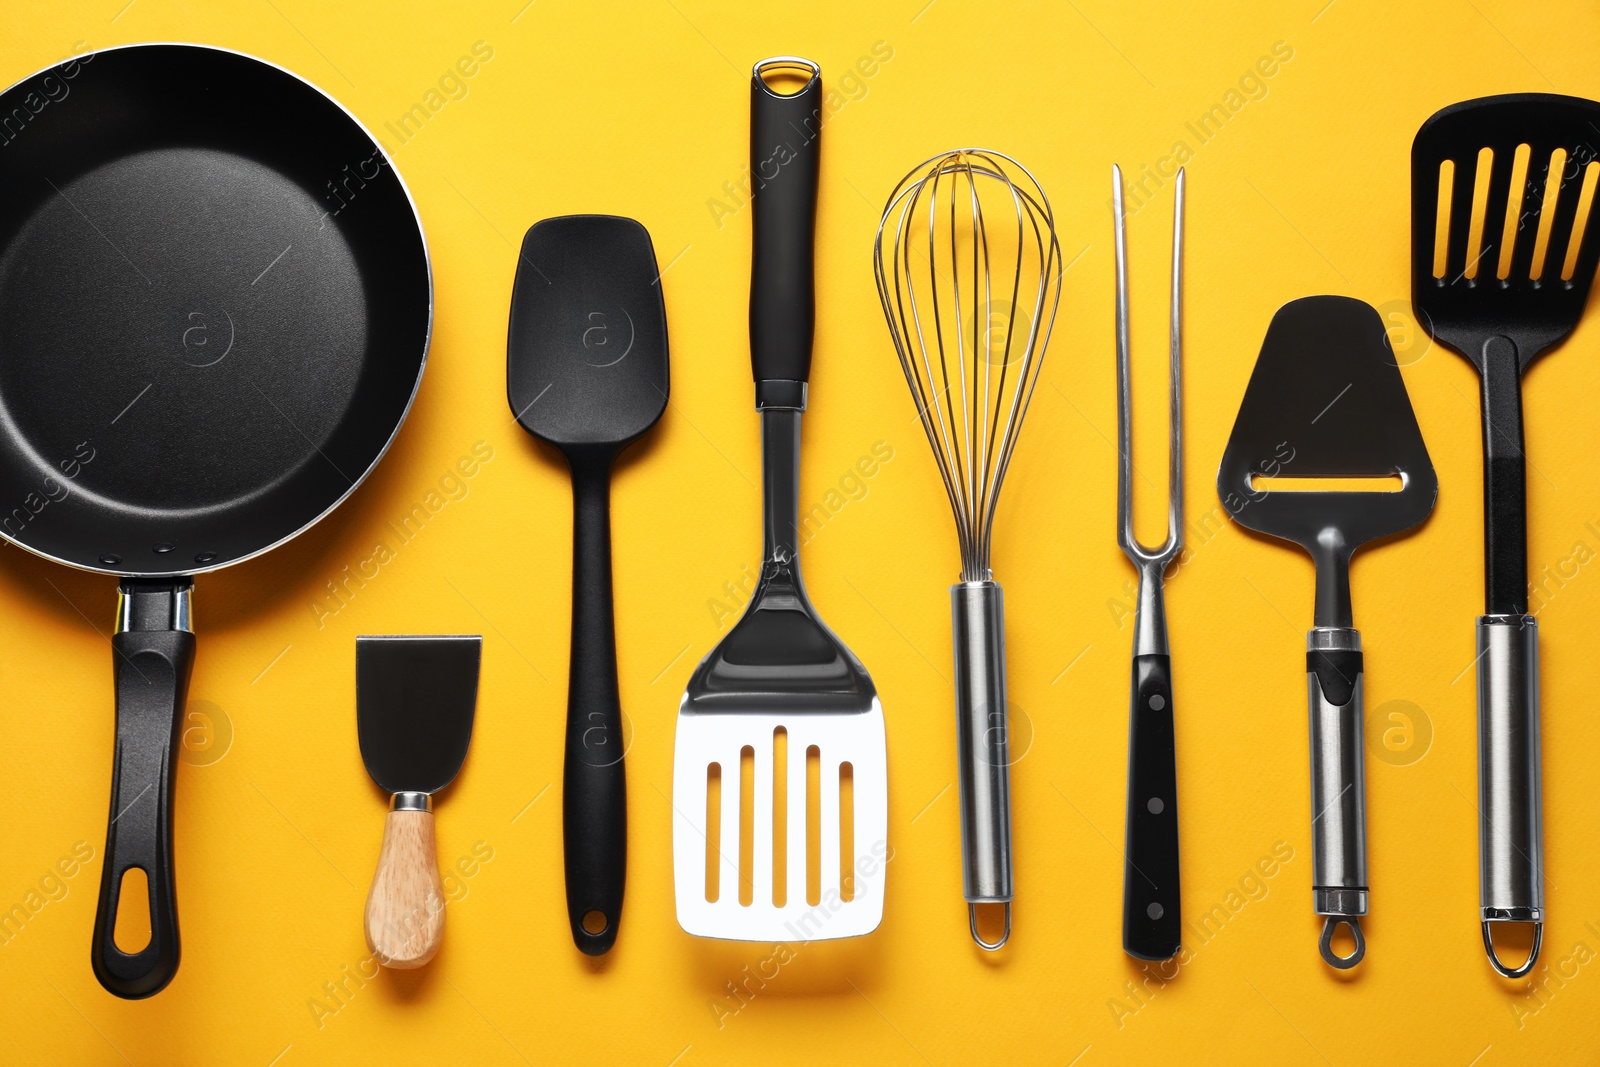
(215, 306)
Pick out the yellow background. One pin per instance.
(641, 109)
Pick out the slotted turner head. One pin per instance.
(777, 688)
(1467, 292)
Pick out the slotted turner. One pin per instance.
(780, 685)
(1500, 305)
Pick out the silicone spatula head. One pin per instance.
(1326, 400)
(415, 698)
(586, 355)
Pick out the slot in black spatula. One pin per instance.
(586, 371)
(1500, 304)
(1326, 400)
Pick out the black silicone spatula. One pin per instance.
(586, 371)
(415, 698)
(1501, 277)
(1326, 400)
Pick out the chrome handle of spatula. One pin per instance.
(1338, 787)
(977, 611)
(1510, 820)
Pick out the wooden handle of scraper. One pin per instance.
(405, 909)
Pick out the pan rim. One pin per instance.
(427, 340)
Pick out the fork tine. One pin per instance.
(1124, 384)
(1175, 416)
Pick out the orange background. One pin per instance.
(642, 109)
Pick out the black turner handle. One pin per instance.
(785, 162)
(1152, 922)
(594, 798)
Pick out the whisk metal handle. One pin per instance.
(978, 614)
(785, 162)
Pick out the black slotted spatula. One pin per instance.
(1326, 400)
(415, 702)
(1500, 304)
(586, 371)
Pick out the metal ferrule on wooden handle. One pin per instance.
(983, 760)
(1510, 822)
(405, 909)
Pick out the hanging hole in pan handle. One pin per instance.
(786, 75)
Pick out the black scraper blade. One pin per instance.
(415, 698)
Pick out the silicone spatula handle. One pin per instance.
(594, 799)
(1152, 921)
(154, 652)
(785, 160)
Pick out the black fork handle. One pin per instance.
(785, 166)
(1152, 917)
(154, 653)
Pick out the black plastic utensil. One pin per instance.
(1501, 305)
(1326, 400)
(586, 371)
(415, 701)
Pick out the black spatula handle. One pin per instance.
(154, 652)
(785, 160)
(594, 798)
(1152, 922)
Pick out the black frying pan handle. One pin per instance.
(785, 160)
(154, 652)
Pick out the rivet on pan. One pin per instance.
(111, 559)
(163, 546)
(204, 557)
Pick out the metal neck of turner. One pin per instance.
(781, 404)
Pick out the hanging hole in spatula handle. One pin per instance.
(785, 165)
(153, 655)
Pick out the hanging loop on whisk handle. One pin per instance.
(978, 614)
(785, 157)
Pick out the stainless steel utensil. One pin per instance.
(1501, 303)
(1326, 400)
(1152, 921)
(780, 695)
(969, 280)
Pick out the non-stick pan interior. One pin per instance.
(214, 308)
